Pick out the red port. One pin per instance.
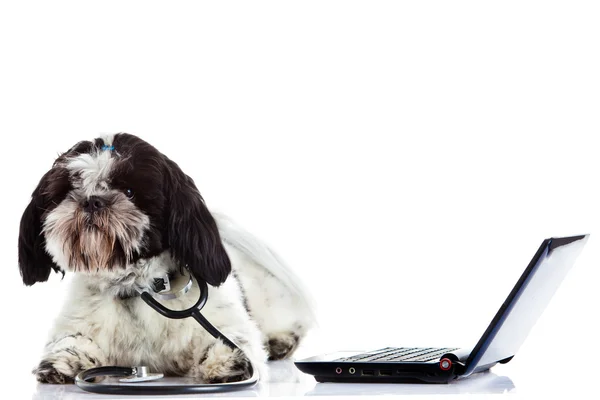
(445, 364)
(338, 370)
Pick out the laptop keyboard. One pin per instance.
(410, 354)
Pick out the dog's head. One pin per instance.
(108, 203)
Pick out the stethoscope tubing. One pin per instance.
(84, 380)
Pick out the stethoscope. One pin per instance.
(131, 377)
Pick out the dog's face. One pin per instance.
(108, 203)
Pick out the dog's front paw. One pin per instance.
(62, 366)
(282, 345)
(222, 364)
(47, 373)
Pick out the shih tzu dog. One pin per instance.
(119, 214)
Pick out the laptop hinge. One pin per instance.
(459, 367)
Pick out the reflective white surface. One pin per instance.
(286, 381)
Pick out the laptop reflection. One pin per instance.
(480, 383)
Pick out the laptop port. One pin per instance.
(338, 370)
(368, 372)
(385, 372)
(352, 370)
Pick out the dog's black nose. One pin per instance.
(93, 204)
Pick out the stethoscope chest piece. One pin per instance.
(130, 376)
(141, 374)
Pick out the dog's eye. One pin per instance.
(129, 193)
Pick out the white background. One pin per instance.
(406, 158)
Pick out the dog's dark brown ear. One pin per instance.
(193, 236)
(34, 262)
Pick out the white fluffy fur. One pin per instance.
(111, 331)
(93, 169)
(264, 266)
(129, 229)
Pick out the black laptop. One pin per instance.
(498, 344)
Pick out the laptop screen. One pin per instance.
(526, 302)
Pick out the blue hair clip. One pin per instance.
(107, 147)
